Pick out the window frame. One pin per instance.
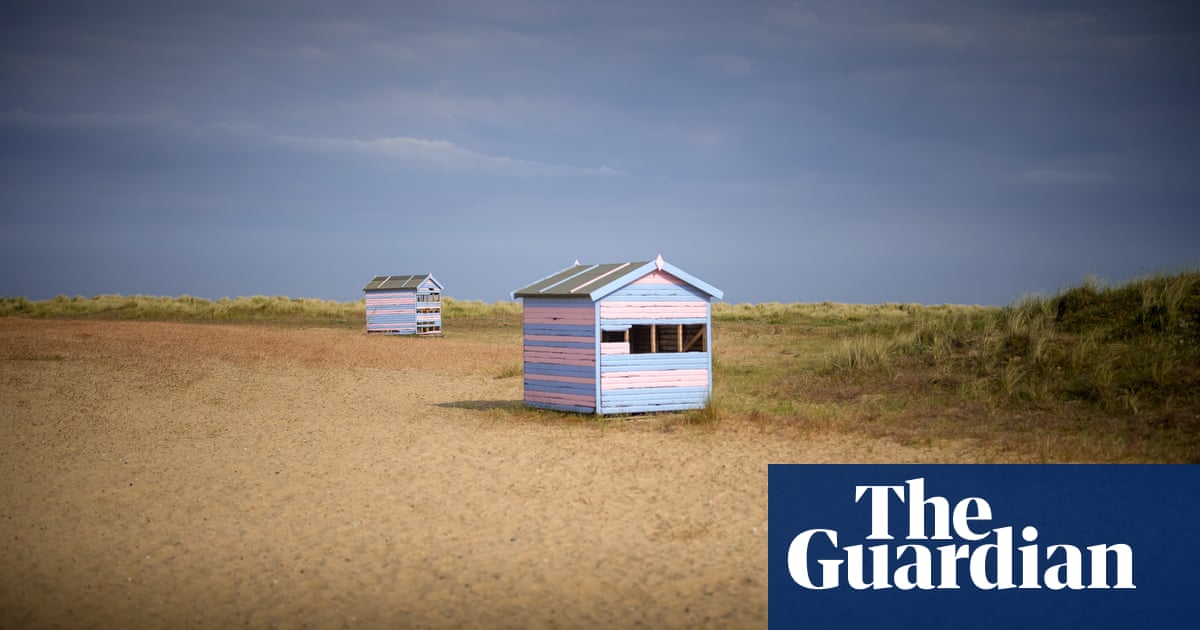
(655, 338)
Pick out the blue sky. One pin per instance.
(866, 152)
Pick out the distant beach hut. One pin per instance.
(404, 305)
(618, 338)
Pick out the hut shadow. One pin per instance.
(484, 405)
(516, 412)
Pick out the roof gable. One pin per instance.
(596, 281)
(400, 282)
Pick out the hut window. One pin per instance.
(614, 336)
(647, 338)
(429, 302)
(640, 340)
(694, 338)
(614, 341)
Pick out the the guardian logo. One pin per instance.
(949, 546)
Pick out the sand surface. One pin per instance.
(184, 475)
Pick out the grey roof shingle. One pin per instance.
(570, 281)
(392, 283)
(596, 281)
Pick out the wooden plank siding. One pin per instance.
(392, 312)
(657, 296)
(429, 308)
(665, 379)
(560, 354)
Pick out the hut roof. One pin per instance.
(597, 281)
(392, 283)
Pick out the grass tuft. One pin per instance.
(710, 414)
(860, 353)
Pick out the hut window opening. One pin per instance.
(429, 302)
(656, 338)
(614, 336)
(695, 338)
(614, 341)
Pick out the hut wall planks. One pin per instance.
(663, 299)
(560, 354)
(664, 379)
(635, 383)
(392, 312)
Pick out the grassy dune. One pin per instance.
(1095, 373)
(258, 308)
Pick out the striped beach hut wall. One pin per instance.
(404, 305)
(618, 338)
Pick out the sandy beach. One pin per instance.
(194, 475)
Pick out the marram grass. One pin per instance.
(257, 308)
(1095, 373)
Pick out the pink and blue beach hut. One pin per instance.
(616, 338)
(404, 305)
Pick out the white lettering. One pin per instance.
(1100, 565)
(879, 508)
(1068, 574)
(963, 517)
(879, 568)
(1029, 558)
(797, 561)
(916, 574)
(989, 566)
(950, 555)
(1004, 559)
(916, 512)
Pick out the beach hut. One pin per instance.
(618, 338)
(404, 305)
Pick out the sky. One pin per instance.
(865, 152)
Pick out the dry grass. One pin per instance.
(275, 310)
(186, 308)
(1096, 373)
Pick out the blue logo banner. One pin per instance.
(983, 546)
